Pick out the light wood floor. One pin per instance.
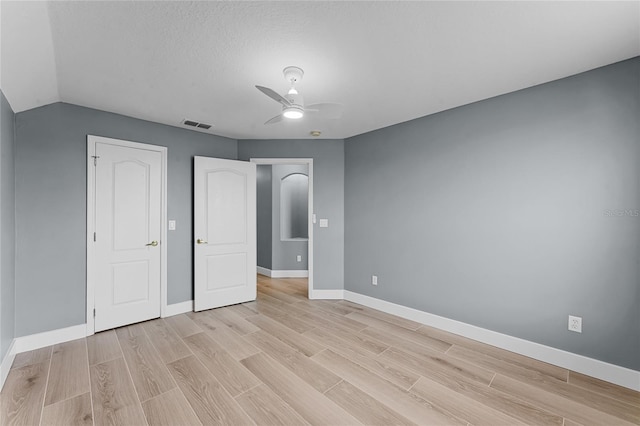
(286, 360)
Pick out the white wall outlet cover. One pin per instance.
(313, 218)
(374, 280)
(172, 225)
(575, 324)
(324, 223)
(299, 258)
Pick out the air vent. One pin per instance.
(192, 123)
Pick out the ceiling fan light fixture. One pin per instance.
(293, 112)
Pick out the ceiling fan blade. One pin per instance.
(275, 119)
(326, 110)
(274, 95)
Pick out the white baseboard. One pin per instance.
(48, 338)
(289, 274)
(178, 308)
(7, 361)
(326, 294)
(264, 271)
(592, 367)
(282, 273)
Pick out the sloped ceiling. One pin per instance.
(386, 62)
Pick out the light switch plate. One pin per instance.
(172, 225)
(324, 223)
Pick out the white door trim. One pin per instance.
(309, 163)
(91, 150)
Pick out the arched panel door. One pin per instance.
(224, 232)
(128, 213)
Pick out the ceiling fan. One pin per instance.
(293, 104)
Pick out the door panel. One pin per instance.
(130, 196)
(226, 207)
(226, 271)
(128, 219)
(128, 279)
(225, 232)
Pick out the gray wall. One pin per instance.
(504, 213)
(264, 213)
(51, 206)
(283, 253)
(7, 226)
(328, 182)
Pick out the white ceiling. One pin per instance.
(386, 62)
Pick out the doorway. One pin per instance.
(289, 232)
(126, 232)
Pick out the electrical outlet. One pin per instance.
(299, 258)
(374, 280)
(575, 324)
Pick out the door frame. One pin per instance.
(309, 163)
(91, 217)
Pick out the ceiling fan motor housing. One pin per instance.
(295, 99)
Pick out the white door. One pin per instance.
(128, 216)
(224, 232)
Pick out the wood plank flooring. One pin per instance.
(284, 359)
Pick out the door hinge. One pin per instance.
(94, 312)
(94, 236)
(95, 159)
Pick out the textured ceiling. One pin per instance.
(386, 62)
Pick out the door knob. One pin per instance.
(152, 244)
(201, 241)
